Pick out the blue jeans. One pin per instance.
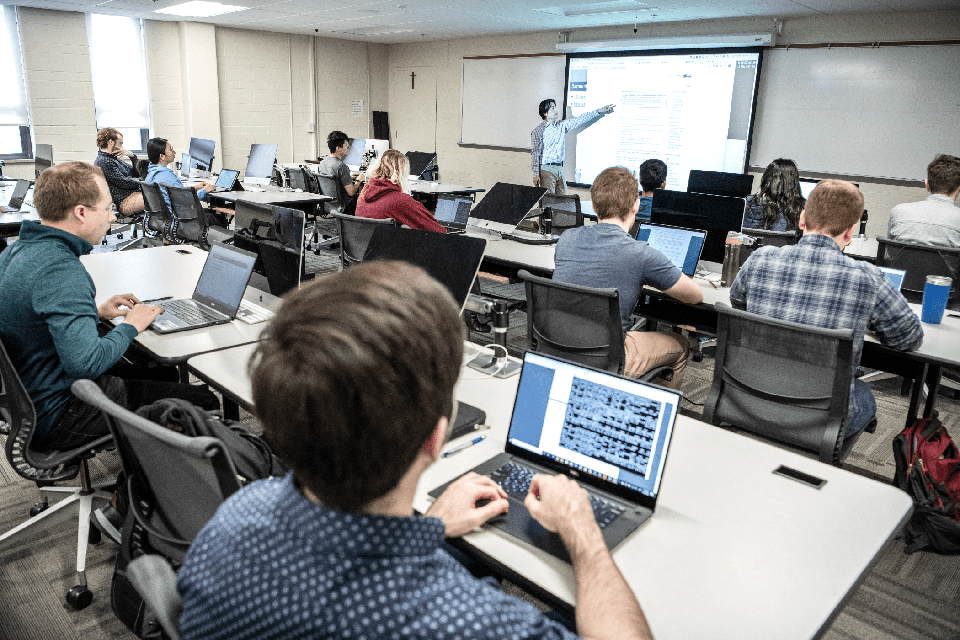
(863, 408)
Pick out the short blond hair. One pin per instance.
(392, 167)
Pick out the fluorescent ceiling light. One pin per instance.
(200, 9)
(598, 8)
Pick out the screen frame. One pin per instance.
(660, 52)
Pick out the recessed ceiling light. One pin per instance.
(200, 9)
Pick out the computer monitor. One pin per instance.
(454, 260)
(807, 185)
(503, 207)
(260, 161)
(355, 155)
(419, 162)
(288, 227)
(43, 158)
(201, 153)
(185, 163)
(716, 214)
(720, 183)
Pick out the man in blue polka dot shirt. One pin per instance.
(354, 384)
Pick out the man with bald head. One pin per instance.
(814, 283)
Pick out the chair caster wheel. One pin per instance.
(38, 508)
(697, 356)
(79, 597)
(94, 536)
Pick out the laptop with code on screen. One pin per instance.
(608, 432)
(681, 246)
(896, 276)
(453, 212)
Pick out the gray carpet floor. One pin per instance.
(902, 597)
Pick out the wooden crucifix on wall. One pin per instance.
(413, 80)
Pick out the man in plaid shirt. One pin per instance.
(547, 142)
(813, 283)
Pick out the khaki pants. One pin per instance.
(646, 350)
(551, 179)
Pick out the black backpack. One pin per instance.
(928, 468)
(252, 459)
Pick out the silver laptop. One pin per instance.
(453, 212)
(217, 296)
(185, 163)
(608, 432)
(681, 246)
(16, 198)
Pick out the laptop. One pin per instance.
(681, 246)
(608, 432)
(453, 212)
(185, 163)
(226, 180)
(16, 198)
(896, 276)
(503, 207)
(217, 296)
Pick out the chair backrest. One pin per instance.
(189, 220)
(175, 482)
(784, 381)
(578, 323)
(355, 234)
(153, 578)
(332, 188)
(296, 179)
(919, 261)
(158, 216)
(312, 180)
(566, 211)
(767, 238)
(28, 460)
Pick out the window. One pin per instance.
(119, 71)
(14, 117)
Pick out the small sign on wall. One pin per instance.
(357, 108)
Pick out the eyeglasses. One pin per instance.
(112, 208)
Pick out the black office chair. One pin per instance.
(784, 381)
(919, 261)
(578, 323)
(154, 579)
(296, 179)
(190, 222)
(767, 238)
(157, 220)
(174, 482)
(355, 234)
(332, 188)
(45, 467)
(566, 211)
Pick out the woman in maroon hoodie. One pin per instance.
(388, 196)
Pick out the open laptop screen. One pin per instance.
(226, 179)
(680, 246)
(224, 278)
(614, 429)
(896, 276)
(453, 210)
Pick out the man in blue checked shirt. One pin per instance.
(813, 283)
(547, 144)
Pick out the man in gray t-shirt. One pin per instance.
(333, 167)
(605, 255)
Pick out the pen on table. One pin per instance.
(467, 445)
(156, 300)
(954, 315)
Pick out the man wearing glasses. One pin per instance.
(49, 318)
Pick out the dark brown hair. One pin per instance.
(943, 174)
(833, 207)
(780, 193)
(355, 371)
(106, 135)
(614, 192)
(62, 187)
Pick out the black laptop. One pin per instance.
(16, 198)
(608, 432)
(453, 212)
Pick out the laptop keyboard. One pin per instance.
(515, 480)
(188, 312)
(252, 313)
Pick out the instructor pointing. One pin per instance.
(547, 142)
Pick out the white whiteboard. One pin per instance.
(499, 98)
(881, 112)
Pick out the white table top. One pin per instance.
(733, 551)
(271, 196)
(862, 248)
(538, 257)
(424, 186)
(165, 271)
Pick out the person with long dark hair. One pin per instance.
(778, 203)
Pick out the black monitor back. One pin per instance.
(43, 158)
(288, 227)
(420, 161)
(246, 213)
(507, 203)
(201, 153)
(720, 183)
(452, 259)
(716, 214)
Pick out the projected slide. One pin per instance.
(691, 110)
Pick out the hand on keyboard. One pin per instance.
(562, 506)
(457, 506)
